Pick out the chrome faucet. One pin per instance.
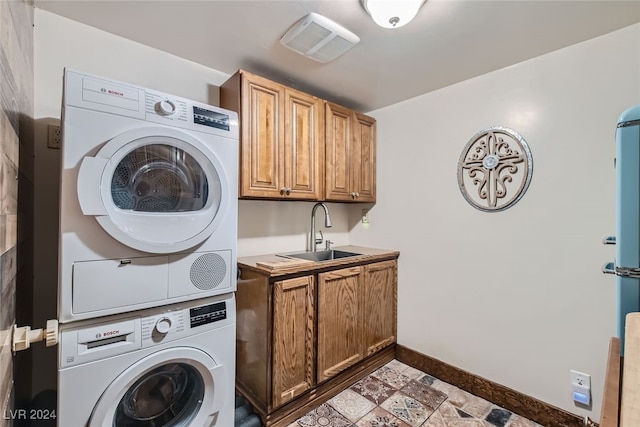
(327, 223)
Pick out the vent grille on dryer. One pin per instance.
(208, 271)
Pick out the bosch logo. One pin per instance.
(111, 92)
(111, 333)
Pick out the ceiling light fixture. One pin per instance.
(392, 13)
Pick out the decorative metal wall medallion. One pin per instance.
(495, 169)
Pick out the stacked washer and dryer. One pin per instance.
(147, 258)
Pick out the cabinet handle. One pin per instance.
(283, 190)
(288, 190)
(353, 195)
(357, 195)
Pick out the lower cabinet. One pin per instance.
(296, 334)
(379, 306)
(293, 338)
(356, 315)
(339, 320)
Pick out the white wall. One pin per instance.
(263, 227)
(517, 297)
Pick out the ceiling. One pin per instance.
(448, 42)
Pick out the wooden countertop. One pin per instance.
(275, 265)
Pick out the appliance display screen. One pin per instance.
(208, 314)
(210, 118)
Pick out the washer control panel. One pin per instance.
(88, 341)
(172, 325)
(161, 327)
(207, 314)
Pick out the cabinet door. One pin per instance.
(363, 155)
(350, 140)
(262, 145)
(304, 146)
(293, 332)
(379, 306)
(339, 321)
(338, 145)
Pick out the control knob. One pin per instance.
(163, 325)
(166, 107)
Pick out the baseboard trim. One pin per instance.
(516, 402)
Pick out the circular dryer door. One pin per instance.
(157, 190)
(171, 388)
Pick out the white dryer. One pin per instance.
(148, 199)
(167, 366)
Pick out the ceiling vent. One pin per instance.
(319, 38)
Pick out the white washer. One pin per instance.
(148, 199)
(167, 366)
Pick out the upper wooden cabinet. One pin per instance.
(281, 138)
(350, 154)
(296, 146)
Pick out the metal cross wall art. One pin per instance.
(495, 169)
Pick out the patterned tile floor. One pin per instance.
(398, 395)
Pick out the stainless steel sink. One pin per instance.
(323, 255)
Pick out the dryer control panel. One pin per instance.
(169, 108)
(97, 93)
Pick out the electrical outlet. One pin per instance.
(365, 216)
(54, 138)
(581, 388)
(580, 379)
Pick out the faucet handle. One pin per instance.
(327, 245)
(319, 241)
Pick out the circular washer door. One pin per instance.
(170, 388)
(157, 190)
